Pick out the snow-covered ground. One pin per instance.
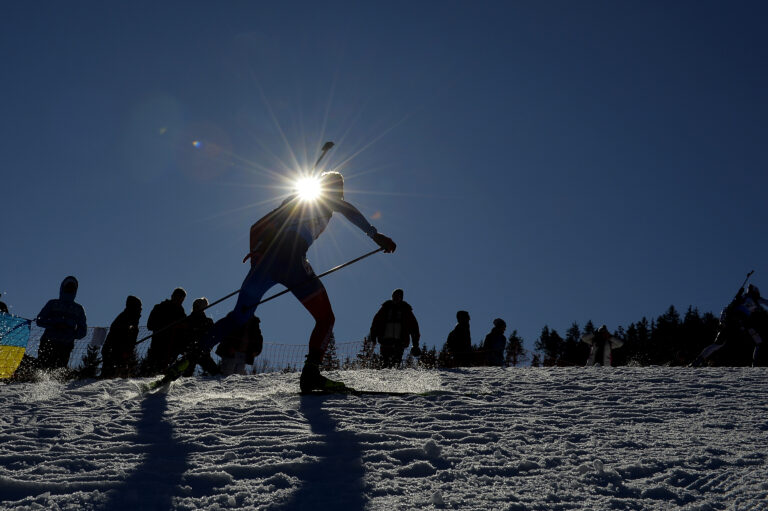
(513, 439)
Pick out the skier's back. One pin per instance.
(278, 245)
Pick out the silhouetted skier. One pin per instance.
(118, 350)
(743, 321)
(278, 248)
(602, 344)
(64, 321)
(394, 327)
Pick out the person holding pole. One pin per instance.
(278, 249)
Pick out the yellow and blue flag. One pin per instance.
(14, 334)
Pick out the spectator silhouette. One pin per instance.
(495, 343)
(3, 307)
(602, 345)
(459, 343)
(394, 327)
(118, 351)
(241, 348)
(64, 321)
(198, 326)
(166, 323)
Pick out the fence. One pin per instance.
(274, 357)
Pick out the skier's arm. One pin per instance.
(352, 214)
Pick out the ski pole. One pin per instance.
(233, 293)
(746, 279)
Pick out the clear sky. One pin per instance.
(543, 162)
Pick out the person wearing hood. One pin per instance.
(494, 344)
(394, 327)
(64, 321)
(602, 344)
(118, 350)
(459, 343)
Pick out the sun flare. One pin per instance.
(308, 188)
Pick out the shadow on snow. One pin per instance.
(336, 480)
(153, 482)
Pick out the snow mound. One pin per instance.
(517, 439)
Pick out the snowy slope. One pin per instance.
(514, 439)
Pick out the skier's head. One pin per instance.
(397, 295)
(603, 330)
(462, 317)
(500, 324)
(133, 304)
(200, 304)
(332, 185)
(753, 291)
(178, 295)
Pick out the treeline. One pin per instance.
(670, 339)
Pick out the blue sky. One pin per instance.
(543, 162)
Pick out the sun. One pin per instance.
(308, 188)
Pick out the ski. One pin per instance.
(349, 391)
(173, 373)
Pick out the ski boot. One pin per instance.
(311, 379)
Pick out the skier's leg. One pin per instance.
(308, 289)
(319, 305)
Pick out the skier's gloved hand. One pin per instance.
(416, 351)
(384, 242)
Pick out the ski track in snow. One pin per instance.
(513, 439)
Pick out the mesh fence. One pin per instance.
(274, 357)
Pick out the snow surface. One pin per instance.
(499, 439)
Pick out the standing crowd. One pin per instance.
(176, 334)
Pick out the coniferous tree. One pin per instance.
(618, 357)
(550, 345)
(90, 362)
(699, 332)
(368, 358)
(444, 358)
(536, 360)
(515, 353)
(636, 343)
(575, 352)
(428, 358)
(666, 338)
(330, 359)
